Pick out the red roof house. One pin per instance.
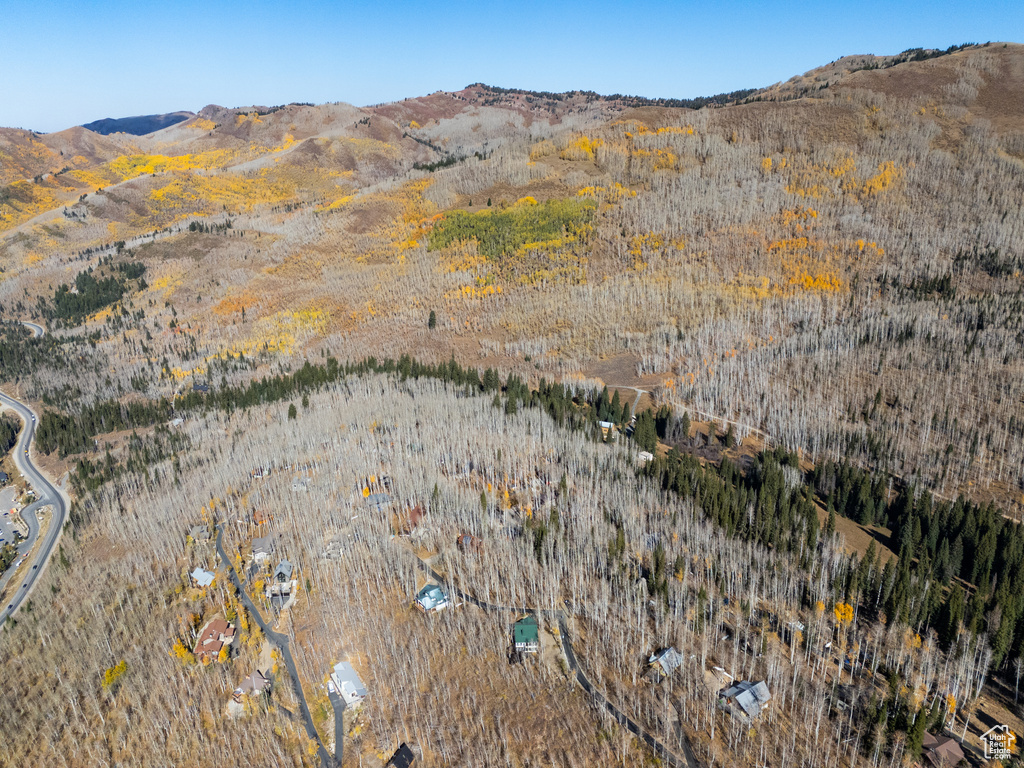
(214, 636)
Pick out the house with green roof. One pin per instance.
(431, 598)
(526, 635)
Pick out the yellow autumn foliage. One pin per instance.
(282, 332)
(182, 653)
(581, 147)
(189, 192)
(113, 674)
(888, 175)
(611, 194)
(843, 613)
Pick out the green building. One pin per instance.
(526, 635)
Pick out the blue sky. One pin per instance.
(66, 63)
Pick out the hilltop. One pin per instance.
(137, 126)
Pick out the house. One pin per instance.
(941, 751)
(281, 585)
(526, 635)
(253, 685)
(379, 500)
(201, 387)
(347, 683)
(467, 542)
(664, 663)
(403, 758)
(201, 578)
(262, 548)
(283, 572)
(431, 598)
(643, 457)
(607, 428)
(217, 634)
(745, 699)
(200, 534)
(404, 521)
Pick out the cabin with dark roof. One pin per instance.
(403, 758)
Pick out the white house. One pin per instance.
(202, 578)
(347, 683)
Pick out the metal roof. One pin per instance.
(348, 681)
(526, 630)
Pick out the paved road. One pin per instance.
(37, 330)
(280, 642)
(47, 494)
(660, 749)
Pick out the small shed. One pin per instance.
(665, 662)
(526, 635)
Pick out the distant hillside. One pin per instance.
(139, 125)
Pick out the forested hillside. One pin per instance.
(741, 375)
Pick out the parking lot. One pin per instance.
(7, 499)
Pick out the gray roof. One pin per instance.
(284, 570)
(348, 681)
(749, 697)
(254, 683)
(263, 545)
(668, 659)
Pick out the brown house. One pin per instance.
(253, 685)
(404, 521)
(214, 636)
(941, 751)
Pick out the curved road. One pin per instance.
(280, 642)
(659, 749)
(46, 494)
